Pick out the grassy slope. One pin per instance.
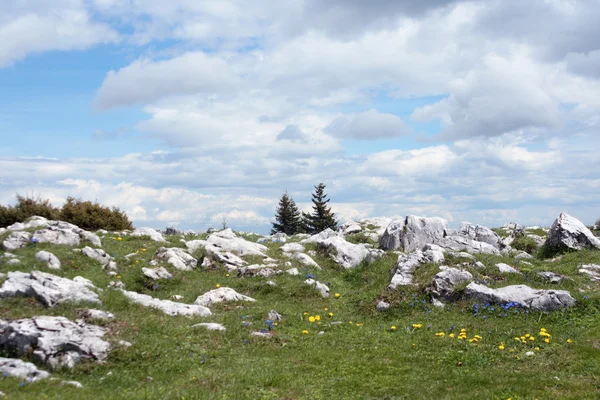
(360, 358)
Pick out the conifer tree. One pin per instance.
(321, 217)
(287, 216)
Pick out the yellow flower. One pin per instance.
(473, 340)
(218, 286)
(501, 347)
(527, 335)
(227, 275)
(361, 324)
(542, 329)
(331, 314)
(350, 322)
(326, 309)
(452, 335)
(531, 338)
(417, 326)
(311, 319)
(305, 332)
(393, 328)
(317, 317)
(537, 348)
(305, 313)
(440, 334)
(518, 339)
(118, 276)
(478, 337)
(569, 341)
(337, 295)
(547, 340)
(119, 238)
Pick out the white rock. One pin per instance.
(124, 343)
(274, 316)
(349, 228)
(222, 294)
(326, 234)
(57, 236)
(265, 335)
(538, 300)
(347, 254)
(568, 232)
(177, 297)
(480, 234)
(167, 306)
(15, 368)
(55, 341)
(195, 245)
(592, 270)
(382, 306)
(211, 326)
(13, 261)
(305, 259)
(550, 276)
(33, 222)
(48, 289)
(403, 272)
(97, 254)
(227, 241)
(321, 287)
(292, 248)
(506, 269)
(523, 256)
(50, 259)
(293, 271)
(178, 258)
(91, 314)
(461, 243)
(479, 264)
(16, 240)
(156, 273)
(153, 233)
(72, 383)
(529, 353)
(116, 285)
(413, 233)
(445, 282)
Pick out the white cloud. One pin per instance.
(368, 125)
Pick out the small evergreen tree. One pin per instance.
(322, 217)
(287, 216)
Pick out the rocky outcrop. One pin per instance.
(16, 240)
(15, 368)
(347, 254)
(227, 241)
(326, 234)
(48, 258)
(462, 243)
(550, 276)
(591, 270)
(538, 300)
(223, 294)
(167, 306)
(48, 289)
(105, 260)
(480, 233)
(568, 232)
(445, 283)
(156, 273)
(152, 233)
(413, 233)
(177, 257)
(403, 272)
(54, 341)
(305, 259)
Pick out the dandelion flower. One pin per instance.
(331, 314)
(227, 275)
(440, 334)
(326, 309)
(311, 319)
(118, 276)
(119, 238)
(417, 326)
(337, 295)
(452, 335)
(393, 328)
(218, 286)
(305, 332)
(527, 335)
(531, 338)
(569, 341)
(501, 347)
(317, 317)
(305, 313)
(547, 340)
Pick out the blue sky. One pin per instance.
(184, 112)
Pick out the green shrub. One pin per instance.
(524, 243)
(28, 207)
(8, 216)
(94, 216)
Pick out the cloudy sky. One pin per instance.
(184, 111)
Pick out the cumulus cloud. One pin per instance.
(368, 125)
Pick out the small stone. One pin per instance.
(382, 306)
(529, 353)
(211, 326)
(72, 383)
(274, 316)
(124, 343)
(506, 269)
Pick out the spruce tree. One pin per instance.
(287, 216)
(321, 217)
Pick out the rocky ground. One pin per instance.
(379, 309)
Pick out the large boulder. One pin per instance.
(167, 306)
(48, 289)
(292, 248)
(56, 235)
(33, 222)
(445, 282)
(413, 233)
(48, 258)
(538, 300)
(178, 258)
(227, 241)
(568, 232)
(403, 272)
(152, 233)
(326, 234)
(347, 254)
(480, 233)
(462, 243)
(305, 259)
(101, 256)
(54, 341)
(349, 228)
(223, 294)
(15, 368)
(16, 240)
(156, 273)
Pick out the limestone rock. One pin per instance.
(227, 241)
(13, 261)
(592, 270)
(167, 306)
(382, 306)
(48, 289)
(445, 282)
(480, 234)
(347, 254)
(293, 271)
(211, 326)
(156, 273)
(153, 233)
(101, 256)
(76, 384)
(274, 316)
(178, 258)
(349, 228)
(538, 300)
(222, 294)
(568, 232)
(16, 240)
(550, 276)
(321, 287)
(93, 314)
(33, 222)
(55, 341)
(326, 234)
(13, 367)
(195, 245)
(462, 243)
(413, 233)
(305, 259)
(506, 269)
(406, 265)
(50, 259)
(292, 248)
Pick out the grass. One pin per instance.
(361, 358)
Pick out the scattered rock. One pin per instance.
(383, 306)
(227, 241)
(538, 300)
(15, 368)
(506, 269)
(406, 265)
(413, 233)
(153, 233)
(480, 234)
(156, 273)
(167, 306)
(347, 254)
(59, 236)
(292, 248)
(178, 258)
(13, 261)
(305, 259)
(92, 314)
(105, 260)
(124, 343)
(54, 341)
(48, 289)
(293, 271)
(16, 240)
(321, 287)
(50, 259)
(444, 283)
(274, 316)
(479, 264)
(568, 232)
(177, 297)
(72, 383)
(592, 270)
(523, 256)
(257, 270)
(211, 326)
(265, 335)
(462, 243)
(223, 294)
(349, 228)
(550, 276)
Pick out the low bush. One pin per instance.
(524, 243)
